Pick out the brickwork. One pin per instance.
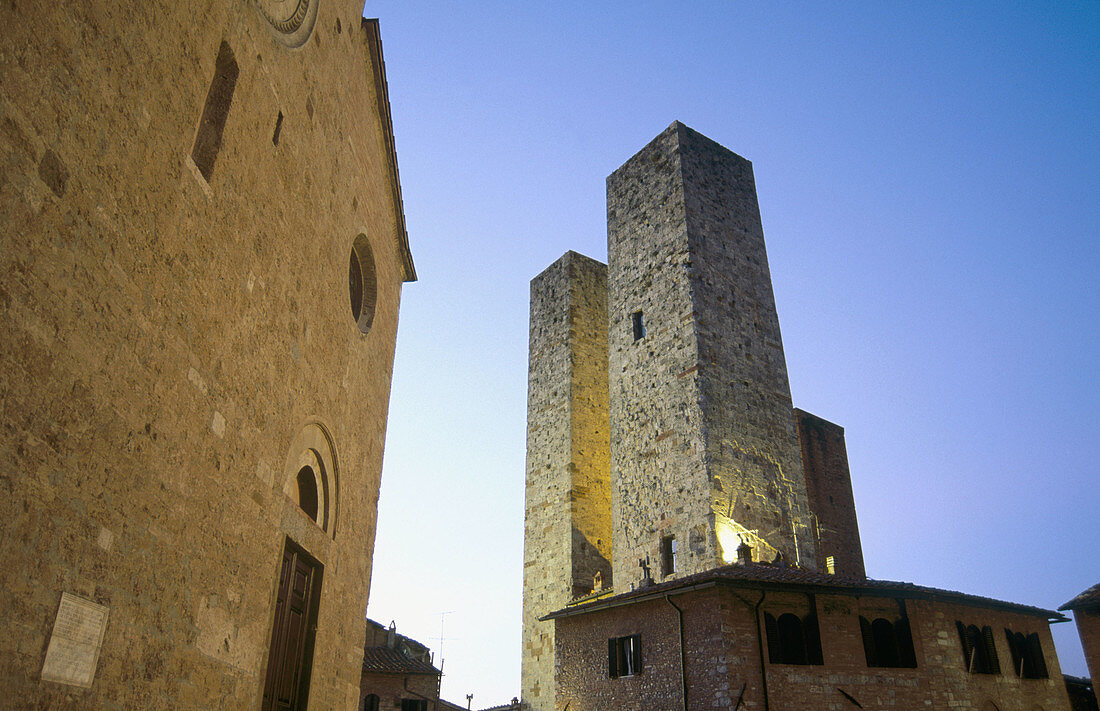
(392, 688)
(1088, 628)
(704, 444)
(176, 347)
(723, 643)
(829, 492)
(567, 536)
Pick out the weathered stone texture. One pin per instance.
(723, 655)
(704, 444)
(167, 338)
(568, 515)
(829, 492)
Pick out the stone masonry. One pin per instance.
(182, 185)
(567, 537)
(704, 446)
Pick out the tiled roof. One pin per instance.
(383, 660)
(1088, 599)
(769, 576)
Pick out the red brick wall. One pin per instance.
(1088, 627)
(391, 688)
(723, 659)
(829, 493)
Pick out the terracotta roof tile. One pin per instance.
(383, 660)
(765, 575)
(1086, 600)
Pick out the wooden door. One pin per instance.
(290, 658)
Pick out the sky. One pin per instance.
(929, 182)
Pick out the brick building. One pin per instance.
(766, 636)
(664, 457)
(204, 251)
(398, 672)
(1086, 613)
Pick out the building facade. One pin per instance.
(765, 636)
(203, 255)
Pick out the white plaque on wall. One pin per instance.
(74, 645)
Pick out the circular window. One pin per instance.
(292, 20)
(362, 284)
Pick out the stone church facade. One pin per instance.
(691, 538)
(203, 255)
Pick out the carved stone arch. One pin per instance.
(314, 449)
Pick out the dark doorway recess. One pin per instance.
(290, 658)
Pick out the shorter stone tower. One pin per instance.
(567, 534)
(829, 492)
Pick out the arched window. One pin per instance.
(979, 652)
(307, 492)
(793, 640)
(369, 703)
(362, 283)
(888, 644)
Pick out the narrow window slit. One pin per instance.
(278, 129)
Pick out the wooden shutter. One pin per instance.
(868, 642)
(636, 648)
(612, 659)
(1035, 654)
(771, 627)
(993, 665)
(968, 653)
(907, 656)
(812, 635)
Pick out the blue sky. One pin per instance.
(928, 176)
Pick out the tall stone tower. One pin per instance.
(567, 537)
(704, 447)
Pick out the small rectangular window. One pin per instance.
(639, 326)
(624, 656)
(414, 705)
(208, 139)
(668, 555)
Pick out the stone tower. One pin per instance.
(704, 446)
(567, 537)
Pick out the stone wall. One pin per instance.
(704, 443)
(567, 536)
(176, 346)
(725, 665)
(829, 493)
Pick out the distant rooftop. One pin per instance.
(1086, 600)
